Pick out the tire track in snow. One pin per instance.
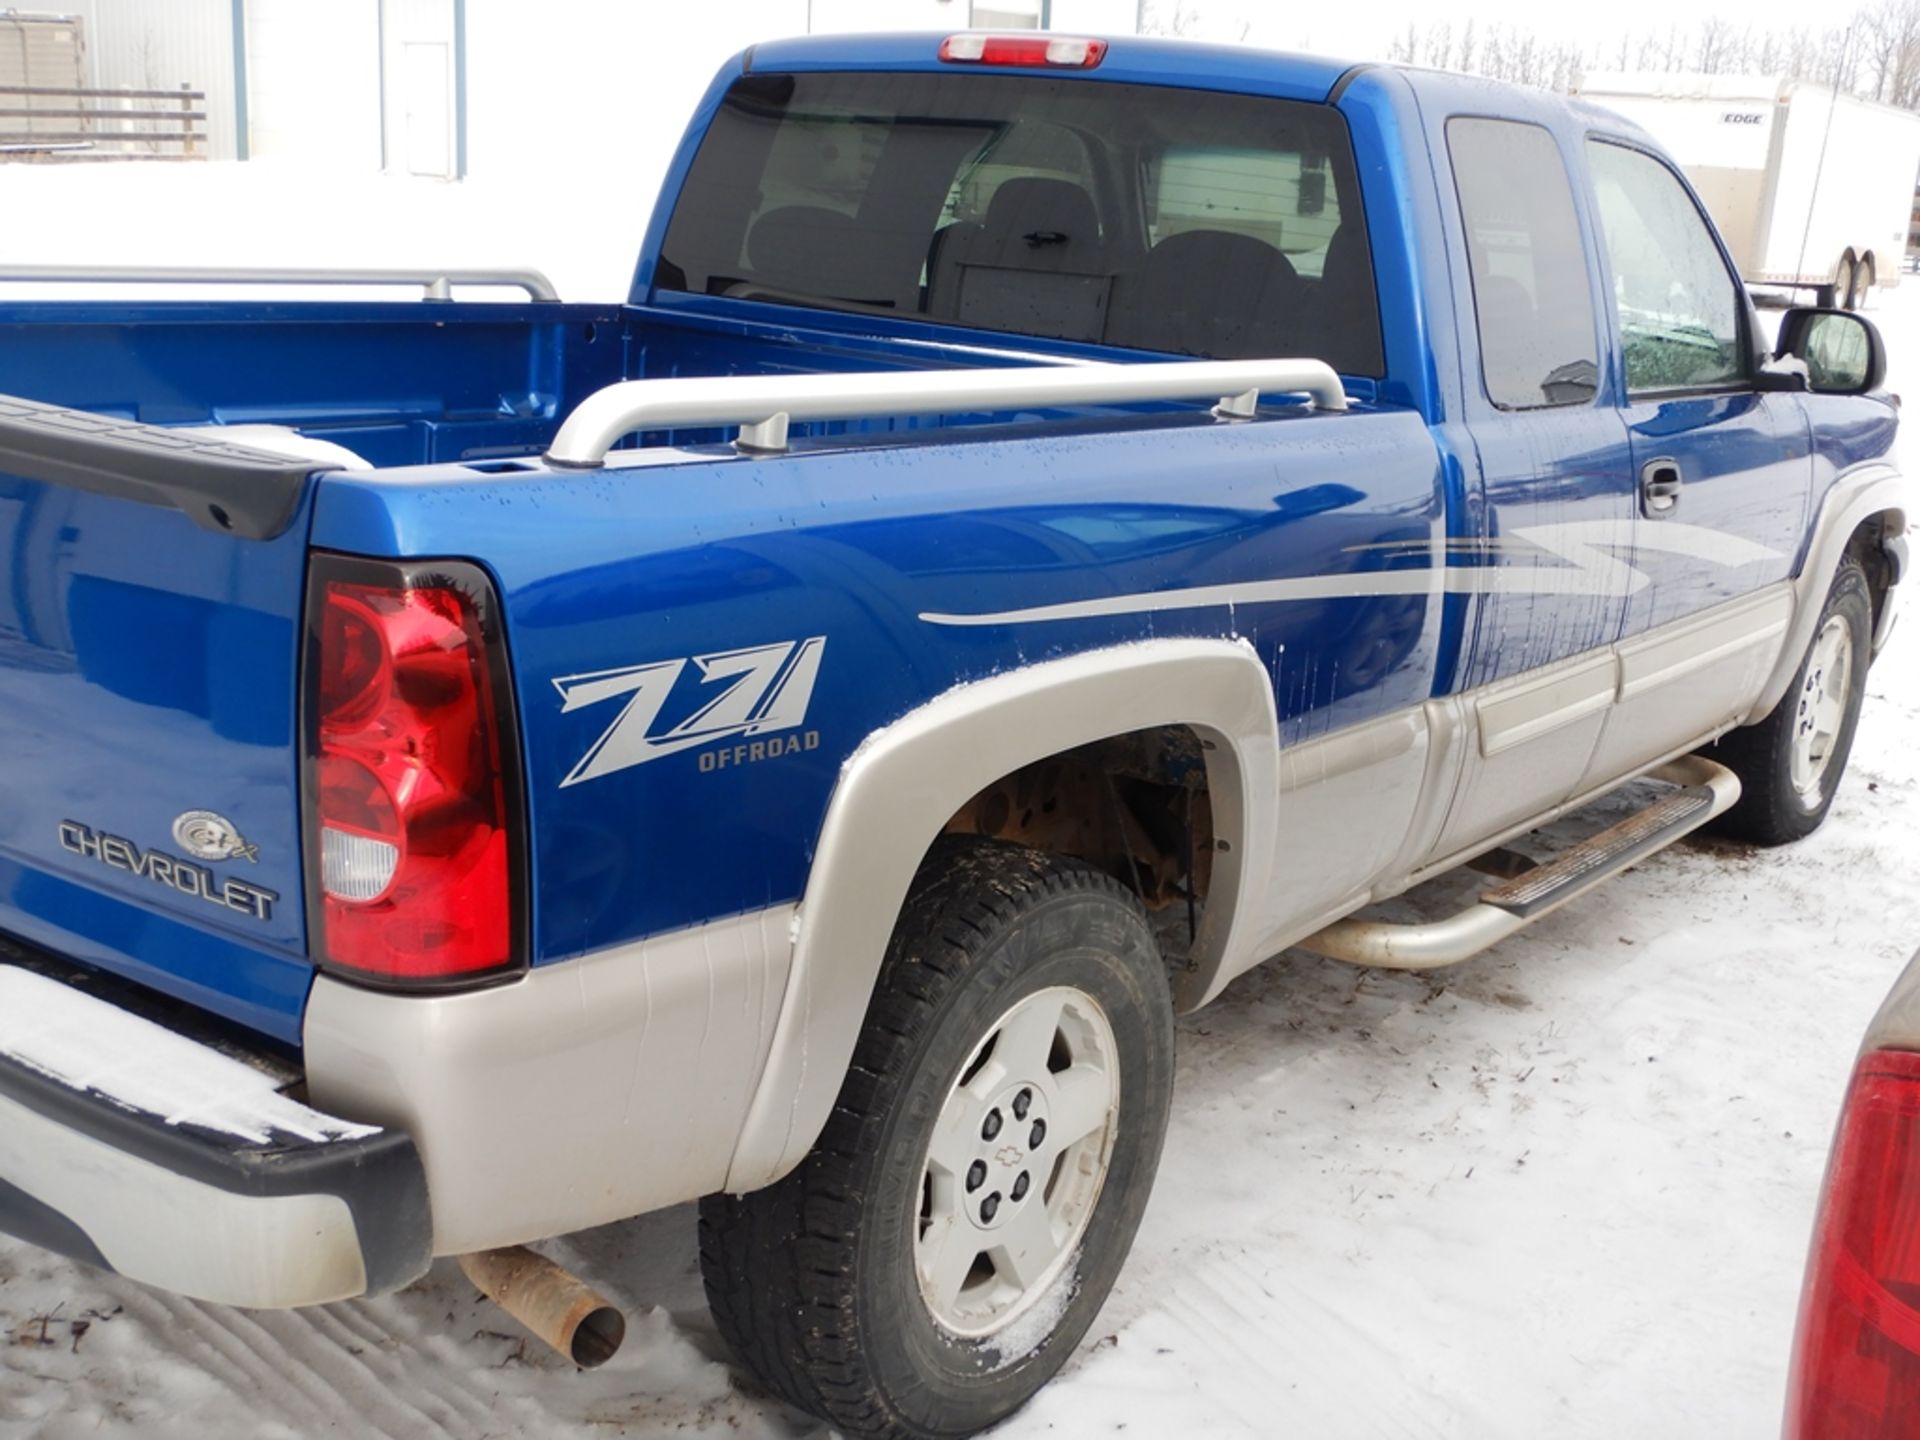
(286, 1372)
(397, 1362)
(184, 1324)
(1225, 1352)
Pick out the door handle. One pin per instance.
(1659, 487)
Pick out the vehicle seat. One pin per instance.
(812, 250)
(1035, 264)
(1339, 304)
(1210, 292)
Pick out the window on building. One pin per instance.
(1279, 197)
(1002, 17)
(1531, 297)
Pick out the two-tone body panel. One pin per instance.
(751, 687)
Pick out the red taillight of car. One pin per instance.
(413, 835)
(1856, 1360)
(1038, 52)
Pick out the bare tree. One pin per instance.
(1181, 18)
(1874, 52)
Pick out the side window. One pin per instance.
(1680, 313)
(1530, 293)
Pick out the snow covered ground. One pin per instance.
(1561, 1189)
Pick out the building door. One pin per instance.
(313, 82)
(420, 92)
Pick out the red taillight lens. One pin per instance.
(413, 832)
(1059, 52)
(1856, 1362)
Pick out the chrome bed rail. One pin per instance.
(764, 405)
(435, 283)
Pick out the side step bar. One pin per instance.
(1704, 790)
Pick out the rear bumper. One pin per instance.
(139, 1150)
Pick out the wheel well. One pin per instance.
(1135, 805)
(1865, 545)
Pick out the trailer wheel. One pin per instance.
(1864, 276)
(1840, 292)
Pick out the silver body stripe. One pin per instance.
(1587, 547)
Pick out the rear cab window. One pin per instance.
(1146, 217)
(1533, 306)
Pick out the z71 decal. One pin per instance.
(759, 691)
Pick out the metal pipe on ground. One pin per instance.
(556, 1305)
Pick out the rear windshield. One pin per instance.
(1139, 216)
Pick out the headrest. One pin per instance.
(1241, 258)
(1045, 214)
(805, 247)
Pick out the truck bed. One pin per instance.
(432, 382)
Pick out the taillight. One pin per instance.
(1856, 1362)
(1060, 52)
(414, 851)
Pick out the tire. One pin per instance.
(817, 1281)
(1790, 763)
(1864, 276)
(1842, 285)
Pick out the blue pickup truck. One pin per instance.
(1055, 523)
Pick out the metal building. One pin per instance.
(385, 85)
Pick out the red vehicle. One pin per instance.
(1856, 1354)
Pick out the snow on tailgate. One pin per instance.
(94, 1046)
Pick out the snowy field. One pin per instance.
(1562, 1189)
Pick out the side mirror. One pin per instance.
(1843, 352)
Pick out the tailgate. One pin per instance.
(149, 635)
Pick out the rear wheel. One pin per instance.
(1790, 763)
(938, 1255)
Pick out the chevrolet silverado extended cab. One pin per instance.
(475, 771)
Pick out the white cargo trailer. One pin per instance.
(1812, 190)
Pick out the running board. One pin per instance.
(1704, 790)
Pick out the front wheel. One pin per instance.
(1790, 763)
(935, 1259)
